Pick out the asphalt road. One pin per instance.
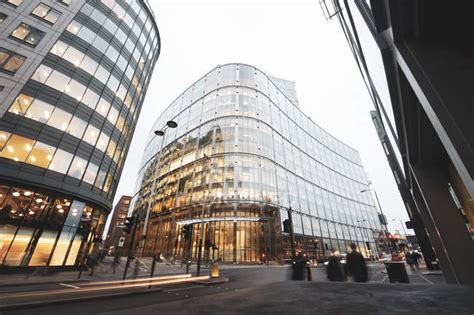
(267, 289)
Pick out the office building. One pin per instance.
(72, 82)
(242, 156)
(115, 231)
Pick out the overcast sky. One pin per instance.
(287, 39)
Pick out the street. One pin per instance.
(265, 289)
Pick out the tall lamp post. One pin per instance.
(159, 133)
(383, 218)
(198, 270)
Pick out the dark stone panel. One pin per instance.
(97, 157)
(69, 143)
(97, 120)
(84, 150)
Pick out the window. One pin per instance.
(78, 166)
(17, 148)
(3, 16)
(14, 3)
(10, 62)
(61, 161)
(65, 2)
(21, 104)
(46, 13)
(27, 34)
(41, 155)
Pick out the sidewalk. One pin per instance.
(104, 271)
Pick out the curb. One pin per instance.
(73, 300)
(18, 284)
(212, 281)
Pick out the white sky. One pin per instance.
(288, 39)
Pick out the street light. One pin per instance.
(198, 270)
(159, 133)
(383, 220)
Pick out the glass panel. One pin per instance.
(91, 173)
(41, 155)
(39, 111)
(58, 81)
(91, 135)
(77, 167)
(18, 249)
(59, 48)
(62, 246)
(76, 245)
(21, 104)
(43, 249)
(61, 161)
(59, 119)
(7, 232)
(77, 127)
(17, 148)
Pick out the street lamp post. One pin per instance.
(198, 270)
(384, 220)
(159, 133)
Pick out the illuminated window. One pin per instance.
(90, 99)
(74, 27)
(43, 248)
(102, 142)
(17, 148)
(103, 107)
(3, 138)
(77, 127)
(61, 161)
(112, 117)
(59, 119)
(91, 173)
(91, 135)
(21, 104)
(75, 89)
(59, 48)
(27, 34)
(58, 81)
(42, 73)
(111, 148)
(39, 111)
(10, 62)
(77, 168)
(14, 3)
(46, 13)
(41, 155)
(74, 56)
(99, 182)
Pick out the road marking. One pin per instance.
(69, 285)
(384, 279)
(181, 289)
(426, 279)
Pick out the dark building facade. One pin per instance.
(73, 78)
(115, 231)
(417, 63)
(242, 156)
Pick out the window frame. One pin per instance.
(43, 18)
(11, 55)
(31, 30)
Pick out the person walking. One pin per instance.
(334, 269)
(410, 259)
(356, 266)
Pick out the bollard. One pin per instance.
(310, 275)
(215, 272)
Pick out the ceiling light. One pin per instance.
(16, 194)
(31, 212)
(39, 200)
(59, 206)
(27, 193)
(60, 210)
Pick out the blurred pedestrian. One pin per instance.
(417, 258)
(356, 266)
(410, 259)
(334, 269)
(299, 266)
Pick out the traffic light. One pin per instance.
(286, 226)
(187, 231)
(129, 223)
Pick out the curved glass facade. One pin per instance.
(67, 121)
(243, 154)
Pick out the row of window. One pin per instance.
(22, 149)
(16, 3)
(73, 88)
(57, 118)
(10, 61)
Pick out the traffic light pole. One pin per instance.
(131, 246)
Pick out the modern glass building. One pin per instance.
(418, 69)
(73, 78)
(242, 156)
